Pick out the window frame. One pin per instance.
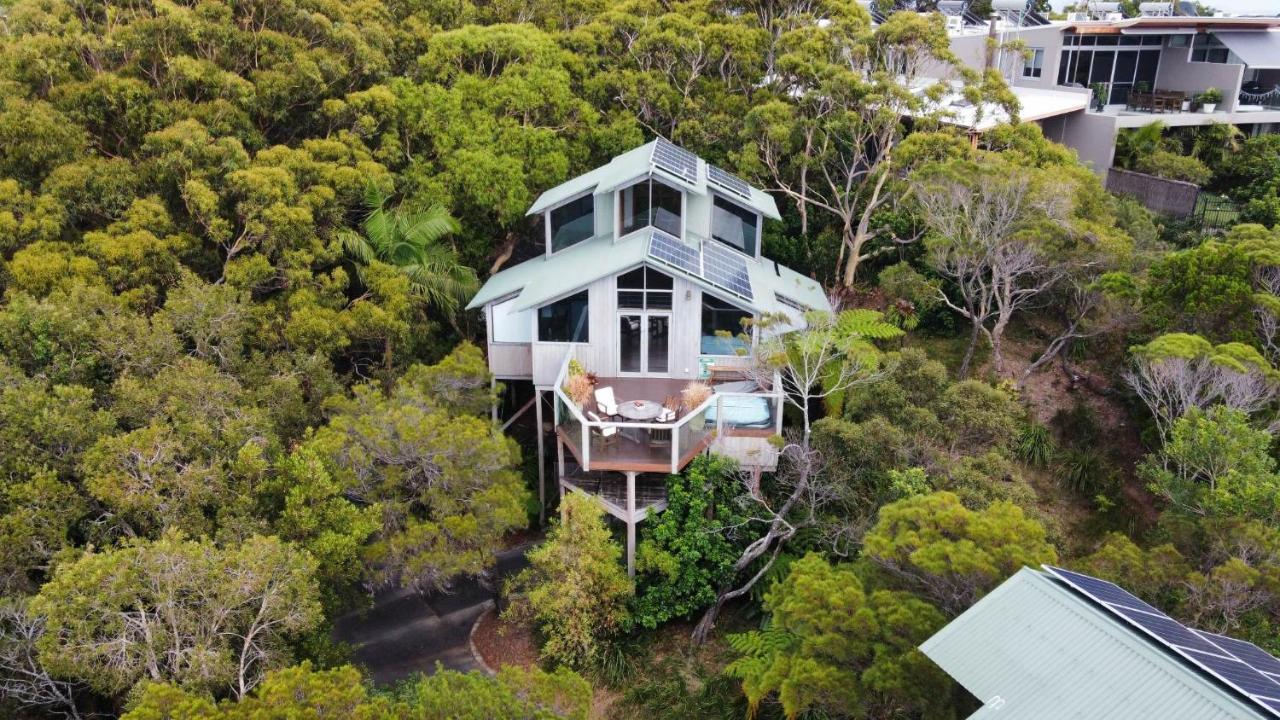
(715, 196)
(650, 178)
(701, 328)
(1033, 67)
(644, 290)
(546, 221)
(537, 319)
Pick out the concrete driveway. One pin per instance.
(405, 633)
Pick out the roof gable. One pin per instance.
(645, 161)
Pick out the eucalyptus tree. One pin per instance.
(842, 90)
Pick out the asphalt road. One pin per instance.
(405, 633)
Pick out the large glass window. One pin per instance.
(1208, 49)
(734, 225)
(564, 320)
(573, 222)
(644, 289)
(650, 202)
(1121, 70)
(722, 327)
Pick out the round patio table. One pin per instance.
(640, 410)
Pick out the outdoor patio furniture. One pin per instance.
(670, 409)
(606, 404)
(606, 434)
(1142, 101)
(1169, 100)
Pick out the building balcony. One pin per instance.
(736, 408)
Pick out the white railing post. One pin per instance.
(719, 416)
(586, 447)
(675, 447)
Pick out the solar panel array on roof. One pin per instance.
(717, 265)
(728, 181)
(1241, 665)
(676, 160)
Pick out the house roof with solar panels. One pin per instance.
(1057, 644)
(762, 285)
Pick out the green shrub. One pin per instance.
(1173, 166)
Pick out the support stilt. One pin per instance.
(493, 406)
(560, 467)
(542, 463)
(631, 524)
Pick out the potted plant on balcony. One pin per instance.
(694, 394)
(1099, 96)
(1209, 100)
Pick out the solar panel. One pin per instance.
(1258, 658)
(1237, 673)
(729, 181)
(718, 266)
(1239, 664)
(673, 252)
(1167, 629)
(676, 160)
(1103, 591)
(724, 268)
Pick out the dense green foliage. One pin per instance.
(238, 392)
(687, 553)
(575, 588)
(833, 646)
(340, 693)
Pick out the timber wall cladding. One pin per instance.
(1167, 197)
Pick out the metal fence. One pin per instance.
(1214, 212)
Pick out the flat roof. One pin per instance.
(1034, 104)
(1198, 24)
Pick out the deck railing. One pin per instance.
(688, 435)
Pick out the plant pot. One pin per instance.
(1208, 107)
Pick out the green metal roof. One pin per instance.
(1034, 650)
(544, 279)
(633, 165)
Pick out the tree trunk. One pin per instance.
(968, 353)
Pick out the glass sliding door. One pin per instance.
(630, 344)
(658, 356)
(644, 343)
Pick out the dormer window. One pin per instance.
(650, 203)
(735, 226)
(571, 223)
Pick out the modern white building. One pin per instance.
(651, 266)
(1152, 67)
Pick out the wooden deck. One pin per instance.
(632, 455)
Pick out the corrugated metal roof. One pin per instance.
(544, 279)
(634, 165)
(1034, 650)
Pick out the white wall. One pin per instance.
(1178, 73)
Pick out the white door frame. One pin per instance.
(644, 316)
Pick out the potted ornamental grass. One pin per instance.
(1209, 100)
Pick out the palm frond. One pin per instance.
(428, 227)
(356, 246)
